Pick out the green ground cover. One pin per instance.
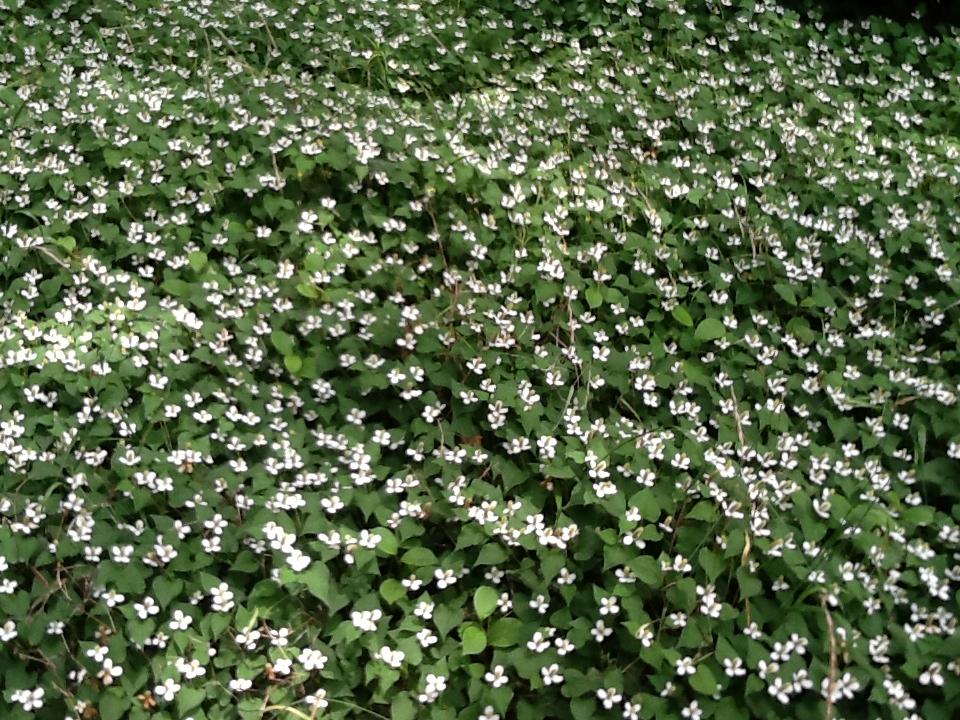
(478, 361)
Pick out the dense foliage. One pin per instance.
(477, 360)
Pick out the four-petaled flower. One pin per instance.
(497, 677)
(168, 690)
(552, 675)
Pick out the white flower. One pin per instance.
(631, 711)
(412, 583)
(168, 690)
(608, 606)
(109, 671)
(113, 598)
(366, 620)
(318, 699)
(147, 608)
(497, 677)
(552, 675)
(248, 640)
(734, 667)
(609, 697)
(240, 684)
(600, 631)
(686, 666)
(180, 620)
(538, 643)
(30, 699)
(932, 675)
(644, 634)
(488, 714)
(426, 638)
(98, 653)
(424, 610)
(436, 684)
(222, 598)
(393, 658)
(445, 578)
(190, 670)
(297, 560)
(312, 659)
(369, 540)
(764, 669)
(780, 690)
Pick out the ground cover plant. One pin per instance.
(451, 360)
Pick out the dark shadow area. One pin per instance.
(937, 18)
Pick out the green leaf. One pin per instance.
(197, 260)
(318, 581)
(177, 288)
(594, 297)
(166, 591)
(392, 590)
(583, 708)
(189, 698)
(66, 242)
(729, 709)
(308, 290)
(113, 705)
(545, 291)
(446, 618)
(387, 546)
(577, 684)
(485, 601)
(682, 316)
(711, 564)
(492, 553)
(474, 640)
(736, 541)
(250, 709)
(292, 363)
(282, 342)
(709, 329)
(786, 292)
(113, 157)
(647, 571)
(703, 680)
(51, 287)
(471, 536)
(402, 707)
(274, 204)
(704, 510)
(750, 586)
(420, 557)
(124, 580)
(304, 164)
(504, 633)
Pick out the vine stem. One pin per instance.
(361, 709)
(833, 658)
